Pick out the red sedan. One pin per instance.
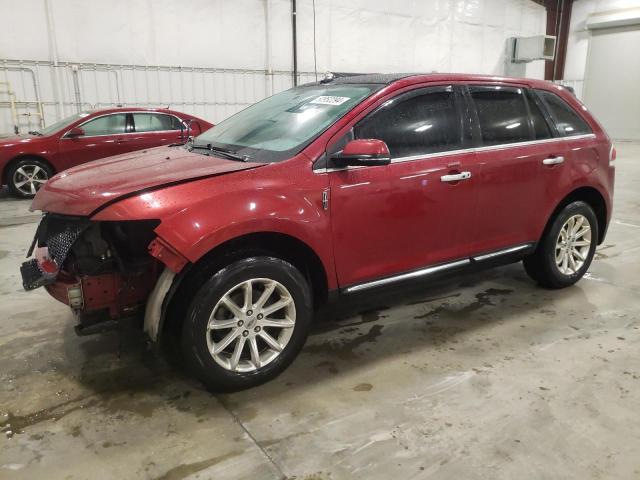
(229, 243)
(28, 161)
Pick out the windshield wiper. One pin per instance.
(224, 151)
(35, 132)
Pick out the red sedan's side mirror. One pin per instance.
(75, 132)
(362, 152)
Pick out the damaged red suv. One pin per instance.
(351, 184)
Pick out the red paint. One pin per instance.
(363, 146)
(120, 295)
(45, 262)
(374, 215)
(166, 254)
(63, 153)
(81, 190)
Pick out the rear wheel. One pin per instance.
(247, 323)
(26, 176)
(567, 248)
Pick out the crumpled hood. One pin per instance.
(84, 189)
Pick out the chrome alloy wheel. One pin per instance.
(29, 178)
(251, 325)
(572, 244)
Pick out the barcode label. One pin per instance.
(329, 100)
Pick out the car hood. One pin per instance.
(10, 139)
(84, 189)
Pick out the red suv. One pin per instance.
(28, 161)
(229, 243)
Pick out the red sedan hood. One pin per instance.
(84, 189)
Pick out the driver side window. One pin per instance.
(107, 125)
(415, 123)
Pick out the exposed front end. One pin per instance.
(104, 271)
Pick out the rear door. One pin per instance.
(104, 136)
(521, 161)
(420, 209)
(153, 129)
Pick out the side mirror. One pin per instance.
(185, 127)
(362, 152)
(75, 132)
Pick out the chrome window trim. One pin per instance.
(435, 268)
(156, 113)
(64, 136)
(487, 148)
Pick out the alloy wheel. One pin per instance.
(29, 178)
(572, 244)
(251, 325)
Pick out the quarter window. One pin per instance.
(540, 126)
(415, 123)
(154, 122)
(107, 125)
(502, 114)
(567, 121)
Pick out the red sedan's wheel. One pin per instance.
(27, 176)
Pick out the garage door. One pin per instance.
(612, 80)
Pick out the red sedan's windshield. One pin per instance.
(281, 125)
(59, 125)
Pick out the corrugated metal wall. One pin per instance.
(211, 57)
(209, 93)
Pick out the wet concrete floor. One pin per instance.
(481, 376)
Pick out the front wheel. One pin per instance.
(566, 249)
(26, 176)
(247, 323)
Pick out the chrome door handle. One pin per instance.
(553, 161)
(456, 177)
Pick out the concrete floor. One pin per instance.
(484, 376)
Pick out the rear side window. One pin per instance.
(540, 125)
(154, 122)
(415, 123)
(567, 121)
(502, 114)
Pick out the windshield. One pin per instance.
(63, 123)
(280, 126)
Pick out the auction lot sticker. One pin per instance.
(329, 100)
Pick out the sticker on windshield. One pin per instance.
(329, 100)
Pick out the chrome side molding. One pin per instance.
(424, 272)
(517, 248)
(405, 276)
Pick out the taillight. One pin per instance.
(612, 157)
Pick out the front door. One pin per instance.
(104, 136)
(420, 209)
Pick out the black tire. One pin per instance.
(43, 172)
(195, 335)
(541, 266)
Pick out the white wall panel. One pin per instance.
(578, 41)
(617, 108)
(132, 41)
